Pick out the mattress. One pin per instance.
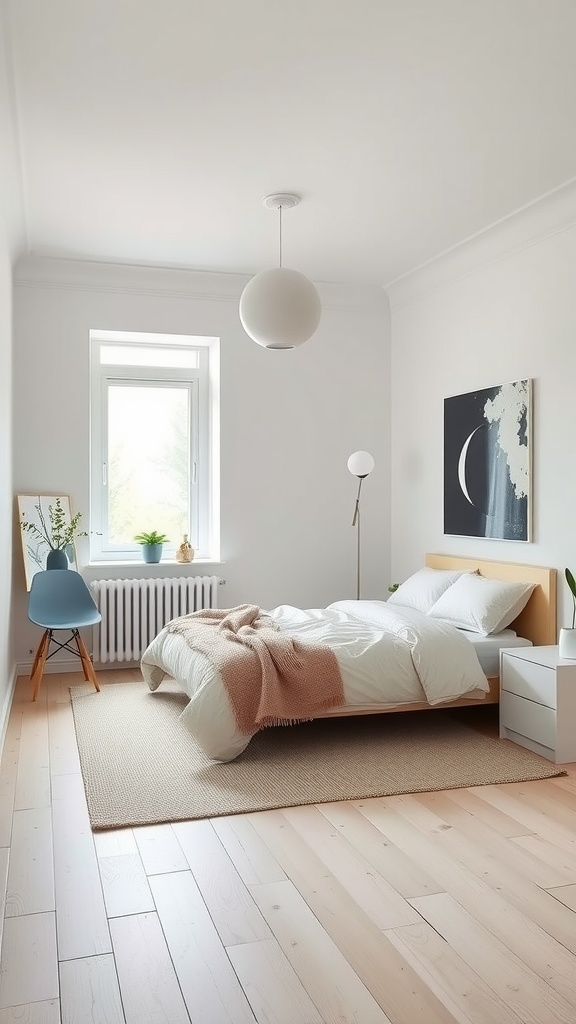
(488, 647)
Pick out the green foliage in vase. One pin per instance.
(572, 584)
(151, 538)
(393, 587)
(57, 532)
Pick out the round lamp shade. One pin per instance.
(280, 308)
(361, 463)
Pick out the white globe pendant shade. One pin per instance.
(280, 308)
(360, 464)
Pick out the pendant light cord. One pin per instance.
(280, 212)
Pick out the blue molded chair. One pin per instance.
(60, 599)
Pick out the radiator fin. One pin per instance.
(134, 611)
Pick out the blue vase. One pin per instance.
(56, 559)
(151, 553)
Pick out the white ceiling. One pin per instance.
(150, 131)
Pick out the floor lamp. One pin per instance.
(361, 465)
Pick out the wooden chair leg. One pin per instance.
(38, 653)
(82, 655)
(39, 662)
(86, 662)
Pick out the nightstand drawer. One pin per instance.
(528, 719)
(526, 679)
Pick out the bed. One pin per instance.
(392, 656)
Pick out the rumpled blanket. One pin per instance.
(271, 677)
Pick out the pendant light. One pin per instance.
(280, 308)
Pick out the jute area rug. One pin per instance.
(141, 766)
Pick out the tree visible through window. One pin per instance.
(149, 468)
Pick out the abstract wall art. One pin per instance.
(487, 462)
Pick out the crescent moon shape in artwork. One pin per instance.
(462, 465)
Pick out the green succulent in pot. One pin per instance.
(151, 545)
(151, 538)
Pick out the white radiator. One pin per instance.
(134, 611)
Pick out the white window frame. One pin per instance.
(203, 390)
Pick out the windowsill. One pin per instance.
(153, 565)
(163, 561)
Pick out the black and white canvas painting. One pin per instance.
(487, 462)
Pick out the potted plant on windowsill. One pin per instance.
(57, 533)
(151, 545)
(567, 641)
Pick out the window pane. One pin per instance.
(145, 355)
(148, 461)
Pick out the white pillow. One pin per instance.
(480, 604)
(421, 590)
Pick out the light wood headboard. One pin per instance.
(537, 622)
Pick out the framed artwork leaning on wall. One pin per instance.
(48, 520)
(488, 462)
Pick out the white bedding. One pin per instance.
(488, 647)
(388, 656)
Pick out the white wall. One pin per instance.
(10, 242)
(289, 421)
(6, 500)
(500, 308)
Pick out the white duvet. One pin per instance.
(387, 657)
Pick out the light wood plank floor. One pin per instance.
(433, 909)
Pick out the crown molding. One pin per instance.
(166, 282)
(547, 216)
(125, 278)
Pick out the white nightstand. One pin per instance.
(538, 701)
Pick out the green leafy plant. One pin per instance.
(572, 584)
(393, 587)
(57, 533)
(151, 538)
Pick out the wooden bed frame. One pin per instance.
(537, 622)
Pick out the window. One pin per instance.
(154, 443)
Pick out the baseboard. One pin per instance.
(24, 668)
(6, 707)
(115, 666)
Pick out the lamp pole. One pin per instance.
(356, 523)
(360, 465)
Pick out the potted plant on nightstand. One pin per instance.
(151, 545)
(567, 641)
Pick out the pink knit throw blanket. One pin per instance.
(271, 677)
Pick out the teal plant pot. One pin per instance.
(151, 553)
(56, 559)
